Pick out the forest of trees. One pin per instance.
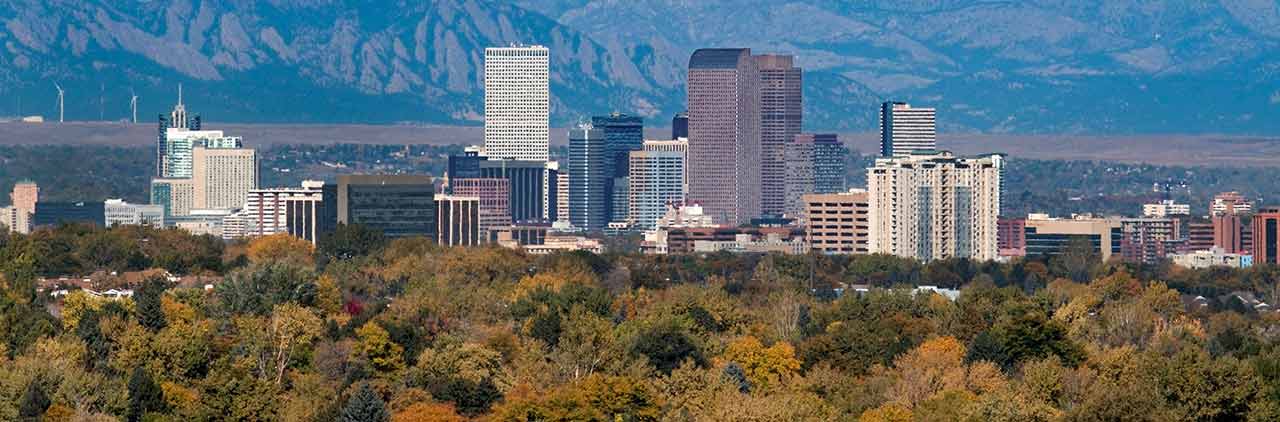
(366, 329)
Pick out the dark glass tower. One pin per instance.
(587, 174)
(680, 125)
(829, 163)
(622, 134)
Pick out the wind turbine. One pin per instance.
(60, 101)
(133, 104)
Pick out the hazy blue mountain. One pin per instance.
(1035, 66)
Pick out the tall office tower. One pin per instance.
(116, 212)
(495, 202)
(180, 142)
(830, 163)
(656, 181)
(724, 134)
(458, 220)
(622, 134)
(1228, 232)
(680, 125)
(1230, 202)
(176, 196)
(396, 205)
(23, 198)
(177, 119)
(935, 206)
(781, 117)
(516, 102)
(838, 223)
(562, 197)
(222, 177)
(588, 158)
(799, 176)
(905, 130)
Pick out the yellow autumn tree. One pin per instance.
(376, 345)
(281, 248)
(765, 367)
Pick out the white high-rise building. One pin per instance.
(656, 181)
(223, 177)
(117, 212)
(905, 129)
(516, 102)
(935, 206)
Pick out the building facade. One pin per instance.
(622, 134)
(838, 223)
(516, 102)
(1266, 235)
(680, 125)
(458, 220)
(23, 199)
(830, 163)
(588, 171)
(397, 205)
(724, 134)
(176, 196)
(905, 130)
(657, 181)
(799, 178)
(1230, 202)
(222, 177)
(781, 119)
(935, 206)
(495, 202)
(117, 212)
(180, 145)
(50, 214)
(1047, 236)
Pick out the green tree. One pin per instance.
(352, 240)
(149, 307)
(364, 406)
(667, 344)
(144, 395)
(33, 403)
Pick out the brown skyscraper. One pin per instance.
(724, 134)
(781, 117)
(1266, 236)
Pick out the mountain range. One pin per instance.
(1031, 66)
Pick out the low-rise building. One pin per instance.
(837, 223)
(748, 243)
(117, 212)
(1165, 208)
(1214, 257)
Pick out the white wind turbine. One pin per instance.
(60, 101)
(133, 104)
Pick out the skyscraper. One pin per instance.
(830, 163)
(516, 102)
(1266, 236)
(724, 134)
(935, 206)
(622, 134)
(177, 119)
(781, 117)
(221, 178)
(657, 181)
(799, 175)
(905, 129)
(180, 142)
(587, 174)
(680, 125)
(177, 196)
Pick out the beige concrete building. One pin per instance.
(176, 195)
(838, 223)
(935, 206)
(23, 199)
(1049, 236)
(222, 178)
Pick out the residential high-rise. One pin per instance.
(680, 125)
(222, 177)
(588, 167)
(724, 134)
(838, 223)
(935, 206)
(622, 134)
(495, 202)
(657, 181)
(458, 220)
(781, 117)
(1232, 202)
(23, 199)
(1228, 232)
(905, 129)
(397, 205)
(297, 211)
(1266, 236)
(830, 163)
(516, 102)
(8, 219)
(176, 196)
(1148, 240)
(562, 197)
